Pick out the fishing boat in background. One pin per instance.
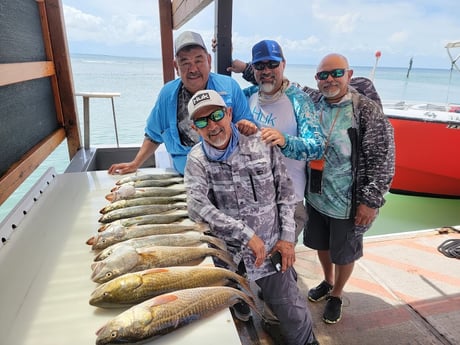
(427, 139)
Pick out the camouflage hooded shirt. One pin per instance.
(249, 193)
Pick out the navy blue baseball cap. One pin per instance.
(267, 50)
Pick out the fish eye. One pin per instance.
(114, 334)
(108, 274)
(105, 293)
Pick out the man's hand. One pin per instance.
(365, 215)
(258, 248)
(246, 127)
(237, 66)
(273, 136)
(287, 253)
(122, 168)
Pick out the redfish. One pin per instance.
(136, 287)
(165, 313)
(128, 259)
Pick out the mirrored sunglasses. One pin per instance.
(260, 66)
(335, 73)
(215, 116)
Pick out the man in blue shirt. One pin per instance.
(169, 122)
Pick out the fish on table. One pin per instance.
(116, 233)
(151, 200)
(133, 288)
(151, 183)
(184, 239)
(165, 313)
(143, 177)
(167, 217)
(126, 259)
(140, 210)
(130, 192)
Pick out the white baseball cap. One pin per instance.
(204, 98)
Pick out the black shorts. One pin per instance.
(341, 237)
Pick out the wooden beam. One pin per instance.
(11, 73)
(167, 49)
(184, 10)
(223, 34)
(61, 56)
(19, 171)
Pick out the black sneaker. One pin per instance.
(332, 310)
(242, 311)
(320, 292)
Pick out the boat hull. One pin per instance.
(427, 154)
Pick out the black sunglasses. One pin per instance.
(260, 66)
(216, 116)
(335, 73)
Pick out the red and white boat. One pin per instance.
(427, 139)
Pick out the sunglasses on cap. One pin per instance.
(260, 66)
(335, 73)
(215, 116)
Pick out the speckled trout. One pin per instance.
(151, 183)
(128, 259)
(136, 287)
(143, 177)
(134, 211)
(165, 313)
(117, 233)
(156, 218)
(185, 239)
(130, 192)
(152, 200)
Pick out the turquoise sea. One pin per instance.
(139, 81)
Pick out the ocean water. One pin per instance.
(139, 80)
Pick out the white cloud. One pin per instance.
(306, 29)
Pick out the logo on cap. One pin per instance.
(201, 97)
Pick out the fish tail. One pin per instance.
(225, 257)
(202, 227)
(216, 242)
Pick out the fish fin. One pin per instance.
(163, 299)
(154, 270)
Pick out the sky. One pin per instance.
(306, 30)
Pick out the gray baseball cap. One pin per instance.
(188, 38)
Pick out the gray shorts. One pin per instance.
(341, 237)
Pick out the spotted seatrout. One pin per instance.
(130, 192)
(127, 259)
(136, 287)
(143, 177)
(116, 233)
(185, 239)
(135, 211)
(165, 313)
(166, 217)
(152, 200)
(151, 182)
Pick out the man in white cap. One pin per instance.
(168, 121)
(239, 186)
